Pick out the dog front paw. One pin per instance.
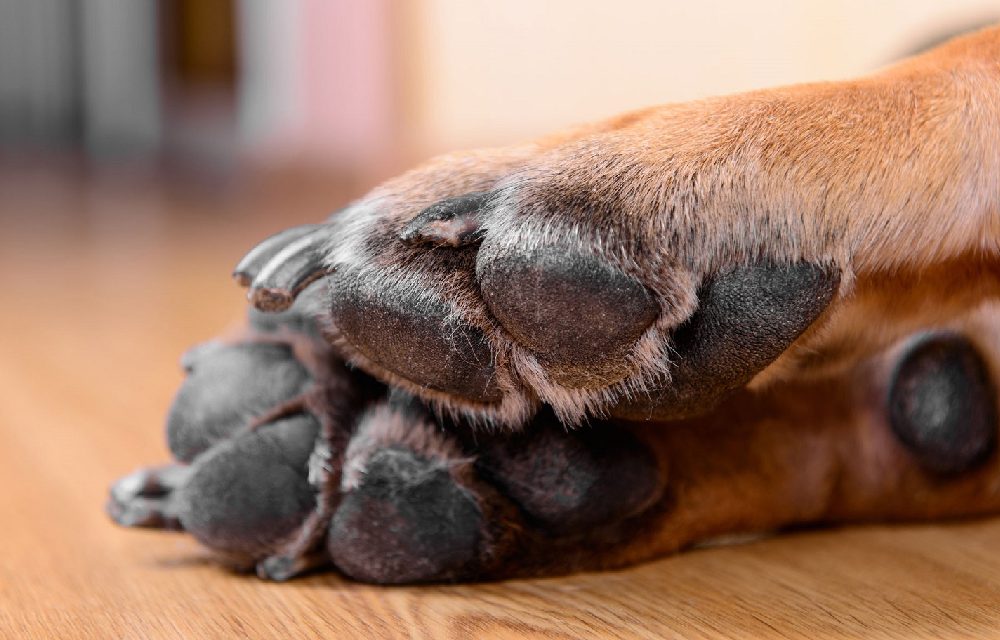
(533, 290)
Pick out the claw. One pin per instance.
(280, 568)
(288, 271)
(260, 255)
(453, 222)
(145, 498)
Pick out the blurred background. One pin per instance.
(221, 91)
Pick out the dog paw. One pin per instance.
(252, 430)
(286, 461)
(492, 289)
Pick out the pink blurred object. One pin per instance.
(317, 82)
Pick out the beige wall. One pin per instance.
(484, 72)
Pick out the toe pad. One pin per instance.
(408, 521)
(576, 312)
(570, 481)
(416, 337)
(226, 386)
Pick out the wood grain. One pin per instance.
(103, 289)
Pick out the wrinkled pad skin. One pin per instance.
(597, 474)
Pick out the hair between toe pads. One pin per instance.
(942, 403)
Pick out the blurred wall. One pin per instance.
(79, 72)
(363, 88)
(481, 72)
(318, 81)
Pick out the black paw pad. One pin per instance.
(227, 386)
(569, 481)
(942, 404)
(408, 521)
(145, 498)
(576, 312)
(414, 336)
(745, 319)
(249, 493)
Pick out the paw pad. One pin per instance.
(408, 521)
(223, 388)
(248, 494)
(577, 313)
(415, 335)
(942, 404)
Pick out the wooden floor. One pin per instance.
(102, 289)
